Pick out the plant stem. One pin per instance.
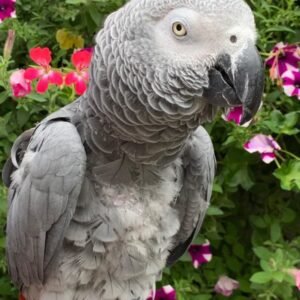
(291, 154)
(277, 163)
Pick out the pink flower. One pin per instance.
(81, 59)
(20, 86)
(200, 254)
(165, 293)
(234, 115)
(225, 286)
(7, 9)
(45, 73)
(265, 145)
(283, 58)
(291, 83)
(296, 274)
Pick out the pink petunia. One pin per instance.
(19, 85)
(200, 254)
(165, 293)
(291, 83)
(7, 9)
(225, 286)
(296, 274)
(44, 73)
(283, 57)
(81, 59)
(265, 145)
(234, 114)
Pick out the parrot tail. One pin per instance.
(21, 297)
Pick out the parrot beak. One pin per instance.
(237, 81)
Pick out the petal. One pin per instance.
(289, 90)
(200, 254)
(289, 74)
(71, 78)
(33, 73)
(166, 293)
(275, 145)
(81, 59)
(20, 90)
(17, 77)
(19, 85)
(41, 56)
(80, 87)
(42, 85)
(296, 93)
(296, 274)
(55, 77)
(287, 81)
(7, 10)
(260, 143)
(225, 286)
(234, 115)
(268, 157)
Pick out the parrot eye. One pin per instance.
(179, 29)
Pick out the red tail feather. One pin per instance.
(21, 297)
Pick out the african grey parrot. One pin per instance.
(107, 191)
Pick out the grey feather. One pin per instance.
(43, 204)
(199, 168)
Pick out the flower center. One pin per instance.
(2, 7)
(281, 54)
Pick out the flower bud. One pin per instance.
(9, 44)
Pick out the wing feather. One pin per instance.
(43, 196)
(199, 170)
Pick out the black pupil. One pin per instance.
(179, 27)
(233, 39)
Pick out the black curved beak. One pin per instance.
(237, 81)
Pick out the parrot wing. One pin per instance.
(42, 198)
(199, 169)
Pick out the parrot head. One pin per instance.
(192, 54)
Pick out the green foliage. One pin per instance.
(252, 223)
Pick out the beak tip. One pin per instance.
(246, 117)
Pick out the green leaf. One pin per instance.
(262, 253)
(76, 2)
(266, 266)
(275, 232)
(259, 222)
(37, 97)
(217, 188)
(3, 97)
(278, 276)
(283, 124)
(214, 211)
(22, 117)
(261, 277)
(288, 216)
(289, 175)
(280, 29)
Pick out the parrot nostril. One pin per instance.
(233, 39)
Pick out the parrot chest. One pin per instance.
(121, 233)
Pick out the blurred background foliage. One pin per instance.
(253, 223)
